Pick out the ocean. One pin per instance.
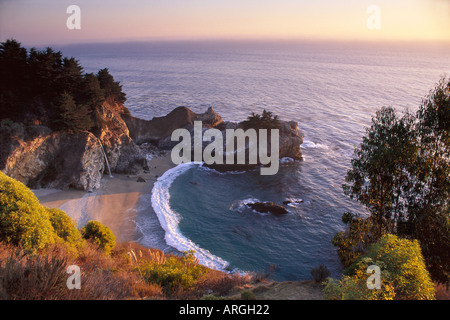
(332, 89)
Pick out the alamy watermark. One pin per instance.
(73, 22)
(74, 280)
(373, 22)
(374, 280)
(238, 147)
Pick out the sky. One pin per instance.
(38, 22)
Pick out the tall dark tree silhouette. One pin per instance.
(401, 174)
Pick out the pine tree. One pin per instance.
(112, 89)
(72, 116)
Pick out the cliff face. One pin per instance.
(159, 129)
(38, 157)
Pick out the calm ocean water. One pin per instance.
(331, 89)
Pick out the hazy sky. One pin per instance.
(35, 22)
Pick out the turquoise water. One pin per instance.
(215, 217)
(331, 89)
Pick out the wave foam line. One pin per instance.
(314, 145)
(170, 219)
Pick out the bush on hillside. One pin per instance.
(23, 220)
(64, 226)
(403, 273)
(174, 273)
(99, 234)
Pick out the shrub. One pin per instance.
(99, 234)
(175, 273)
(64, 226)
(353, 242)
(355, 288)
(23, 220)
(32, 276)
(248, 295)
(266, 120)
(403, 273)
(320, 274)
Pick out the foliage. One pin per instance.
(403, 273)
(45, 85)
(72, 116)
(99, 234)
(64, 226)
(401, 174)
(112, 89)
(32, 276)
(175, 273)
(355, 288)
(23, 221)
(248, 295)
(266, 120)
(353, 242)
(320, 274)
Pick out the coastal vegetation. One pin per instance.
(401, 174)
(403, 273)
(38, 244)
(265, 120)
(53, 90)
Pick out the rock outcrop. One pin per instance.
(267, 207)
(159, 129)
(40, 157)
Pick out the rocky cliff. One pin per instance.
(159, 129)
(39, 157)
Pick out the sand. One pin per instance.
(113, 204)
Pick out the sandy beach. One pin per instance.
(113, 204)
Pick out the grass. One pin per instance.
(25, 275)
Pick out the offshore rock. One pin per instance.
(39, 157)
(159, 129)
(267, 207)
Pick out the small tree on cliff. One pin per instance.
(112, 89)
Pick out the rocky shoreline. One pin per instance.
(41, 158)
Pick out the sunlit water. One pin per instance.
(332, 90)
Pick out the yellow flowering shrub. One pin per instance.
(403, 274)
(23, 220)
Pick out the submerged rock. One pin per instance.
(267, 207)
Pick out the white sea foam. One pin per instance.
(313, 145)
(170, 219)
(222, 173)
(286, 160)
(241, 205)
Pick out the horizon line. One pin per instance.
(250, 39)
